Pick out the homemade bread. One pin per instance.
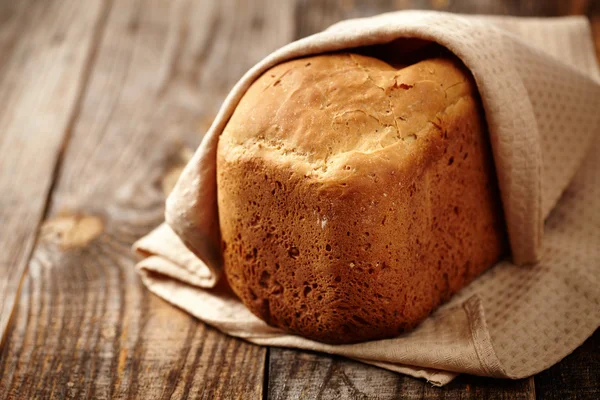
(356, 196)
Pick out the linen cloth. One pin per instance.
(540, 88)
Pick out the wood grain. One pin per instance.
(38, 92)
(85, 326)
(98, 101)
(304, 375)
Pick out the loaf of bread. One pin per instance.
(356, 196)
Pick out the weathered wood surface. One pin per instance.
(37, 91)
(85, 327)
(99, 100)
(304, 375)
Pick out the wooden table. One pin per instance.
(98, 101)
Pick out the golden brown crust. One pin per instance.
(355, 197)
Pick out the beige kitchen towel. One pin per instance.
(540, 88)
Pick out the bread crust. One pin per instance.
(354, 196)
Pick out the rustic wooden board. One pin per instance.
(304, 375)
(38, 92)
(131, 82)
(85, 326)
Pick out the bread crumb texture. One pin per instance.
(356, 196)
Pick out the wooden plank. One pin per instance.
(85, 326)
(303, 375)
(577, 376)
(315, 15)
(41, 73)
